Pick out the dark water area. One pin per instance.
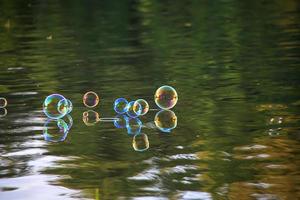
(235, 66)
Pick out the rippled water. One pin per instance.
(234, 64)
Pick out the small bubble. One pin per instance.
(90, 99)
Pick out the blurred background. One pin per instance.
(235, 66)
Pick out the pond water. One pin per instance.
(235, 66)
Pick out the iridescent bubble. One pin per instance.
(142, 109)
(120, 105)
(166, 97)
(121, 123)
(165, 120)
(90, 117)
(133, 126)
(3, 112)
(55, 106)
(134, 109)
(140, 142)
(90, 99)
(3, 102)
(55, 130)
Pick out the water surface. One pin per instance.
(234, 64)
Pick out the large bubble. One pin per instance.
(165, 120)
(55, 106)
(166, 97)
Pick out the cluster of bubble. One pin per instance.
(165, 98)
(57, 106)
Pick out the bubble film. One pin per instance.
(165, 120)
(142, 108)
(55, 106)
(166, 97)
(90, 99)
(121, 105)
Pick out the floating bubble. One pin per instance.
(3, 102)
(3, 112)
(121, 105)
(133, 126)
(90, 99)
(165, 120)
(55, 106)
(134, 109)
(166, 97)
(140, 142)
(55, 130)
(142, 108)
(90, 117)
(121, 123)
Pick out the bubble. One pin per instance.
(134, 109)
(133, 126)
(165, 120)
(55, 130)
(142, 109)
(3, 112)
(90, 99)
(120, 105)
(90, 118)
(166, 97)
(121, 123)
(3, 102)
(140, 142)
(55, 106)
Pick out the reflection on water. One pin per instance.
(235, 65)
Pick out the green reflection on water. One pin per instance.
(234, 64)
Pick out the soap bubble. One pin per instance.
(120, 105)
(3, 102)
(55, 106)
(90, 117)
(140, 142)
(134, 109)
(90, 99)
(121, 123)
(133, 126)
(55, 130)
(166, 97)
(142, 109)
(165, 120)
